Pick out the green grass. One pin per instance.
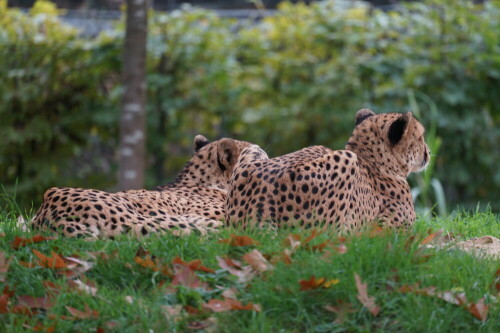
(384, 262)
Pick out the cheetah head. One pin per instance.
(212, 162)
(392, 141)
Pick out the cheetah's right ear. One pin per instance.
(398, 127)
(199, 142)
(227, 154)
(363, 114)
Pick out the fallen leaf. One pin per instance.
(87, 314)
(293, 241)
(20, 241)
(244, 274)
(29, 305)
(4, 266)
(4, 299)
(191, 310)
(314, 234)
(154, 265)
(186, 277)
(27, 264)
(54, 262)
(341, 309)
(230, 293)
(257, 261)
(341, 248)
(110, 325)
(479, 310)
(82, 286)
(377, 231)
(195, 265)
(432, 237)
(39, 328)
(368, 302)
(52, 288)
(321, 246)
(198, 325)
(172, 312)
(228, 304)
(146, 262)
(235, 240)
(315, 283)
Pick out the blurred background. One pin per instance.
(284, 75)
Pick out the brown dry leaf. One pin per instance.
(51, 288)
(293, 241)
(54, 262)
(186, 277)
(172, 312)
(432, 237)
(87, 314)
(235, 240)
(191, 310)
(20, 241)
(342, 310)
(146, 262)
(341, 248)
(314, 234)
(228, 304)
(100, 255)
(86, 287)
(27, 264)
(368, 302)
(257, 261)
(321, 246)
(31, 303)
(244, 274)
(195, 265)
(4, 300)
(40, 328)
(230, 293)
(4, 266)
(207, 325)
(315, 283)
(153, 264)
(377, 231)
(479, 310)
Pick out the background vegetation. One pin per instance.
(285, 82)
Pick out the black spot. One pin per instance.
(305, 188)
(98, 207)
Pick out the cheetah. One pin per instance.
(195, 201)
(317, 186)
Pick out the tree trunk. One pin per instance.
(133, 116)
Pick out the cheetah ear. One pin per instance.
(363, 114)
(199, 142)
(398, 128)
(227, 154)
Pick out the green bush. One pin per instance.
(285, 82)
(52, 93)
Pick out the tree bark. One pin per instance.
(132, 152)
